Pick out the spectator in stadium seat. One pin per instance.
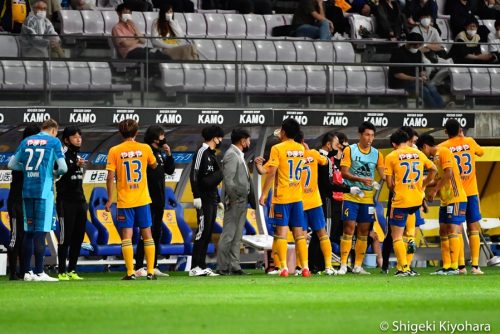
(391, 21)
(494, 41)
(129, 41)
(404, 76)
(335, 14)
(486, 10)
(460, 11)
(38, 35)
(167, 35)
(468, 51)
(13, 15)
(414, 9)
(309, 20)
(179, 6)
(433, 47)
(362, 7)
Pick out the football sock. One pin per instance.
(400, 250)
(461, 253)
(360, 250)
(454, 249)
(326, 249)
(28, 250)
(301, 246)
(128, 255)
(282, 247)
(149, 251)
(445, 252)
(276, 258)
(345, 248)
(475, 245)
(39, 244)
(409, 257)
(298, 262)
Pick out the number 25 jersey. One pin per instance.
(129, 161)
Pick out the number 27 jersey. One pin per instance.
(129, 160)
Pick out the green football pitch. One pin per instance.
(250, 304)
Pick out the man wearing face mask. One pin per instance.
(129, 41)
(468, 51)
(205, 176)
(332, 145)
(414, 9)
(155, 138)
(494, 40)
(38, 35)
(237, 189)
(71, 205)
(404, 76)
(432, 48)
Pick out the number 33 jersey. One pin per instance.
(406, 165)
(464, 150)
(129, 161)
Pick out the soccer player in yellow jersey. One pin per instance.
(311, 201)
(404, 171)
(284, 170)
(358, 168)
(453, 202)
(465, 150)
(128, 162)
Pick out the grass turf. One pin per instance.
(249, 304)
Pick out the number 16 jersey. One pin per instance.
(129, 161)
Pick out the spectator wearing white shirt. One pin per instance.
(433, 47)
(494, 40)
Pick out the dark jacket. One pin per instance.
(205, 175)
(325, 179)
(70, 185)
(156, 177)
(390, 20)
(16, 187)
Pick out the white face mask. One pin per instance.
(126, 17)
(412, 50)
(471, 33)
(491, 5)
(169, 16)
(41, 14)
(425, 22)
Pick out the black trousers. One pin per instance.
(72, 218)
(206, 221)
(14, 251)
(157, 221)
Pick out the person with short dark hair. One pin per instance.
(36, 157)
(391, 21)
(415, 8)
(129, 41)
(465, 151)
(494, 41)
(16, 216)
(237, 189)
(358, 167)
(468, 50)
(404, 171)
(205, 176)
(404, 76)
(309, 21)
(71, 205)
(128, 161)
(432, 47)
(460, 11)
(155, 138)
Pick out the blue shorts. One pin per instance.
(39, 214)
(315, 219)
(358, 212)
(473, 213)
(134, 217)
(398, 216)
(291, 215)
(419, 219)
(453, 213)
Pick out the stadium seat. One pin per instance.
(179, 17)
(194, 77)
(305, 51)
(276, 79)
(460, 81)
(226, 50)
(215, 77)
(317, 79)
(14, 75)
(356, 80)
(495, 80)
(254, 79)
(265, 51)
(339, 80)
(490, 24)
(108, 239)
(230, 78)
(79, 75)
(288, 18)
(93, 22)
(376, 82)
(172, 77)
(206, 49)
(245, 50)
(10, 47)
(296, 79)
(140, 23)
(149, 17)
(344, 52)
(216, 25)
(196, 25)
(285, 51)
(1, 77)
(272, 21)
(100, 74)
(356, 21)
(110, 19)
(444, 26)
(256, 26)
(324, 52)
(71, 22)
(34, 74)
(480, 80)
(236, 26)
(58, 75)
